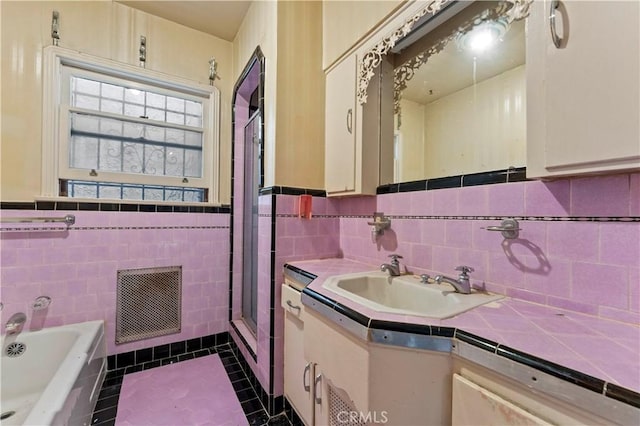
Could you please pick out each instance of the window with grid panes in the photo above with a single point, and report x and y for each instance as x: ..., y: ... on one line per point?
x: 127, y: 134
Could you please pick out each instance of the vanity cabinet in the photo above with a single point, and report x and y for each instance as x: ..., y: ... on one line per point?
x: 583, y: 98
x: 357, y: 381
x: 484, y: 396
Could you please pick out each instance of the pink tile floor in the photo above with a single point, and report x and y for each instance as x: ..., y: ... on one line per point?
x: 193, y: 392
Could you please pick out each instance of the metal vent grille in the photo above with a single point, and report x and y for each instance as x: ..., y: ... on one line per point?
x: 341, y: 410
x: 148, y: 303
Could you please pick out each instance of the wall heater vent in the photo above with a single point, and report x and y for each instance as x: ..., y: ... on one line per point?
x: 149, y: 303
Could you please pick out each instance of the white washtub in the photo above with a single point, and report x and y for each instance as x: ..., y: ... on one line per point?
x: 57, y: 379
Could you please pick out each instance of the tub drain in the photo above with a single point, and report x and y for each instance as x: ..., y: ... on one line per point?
x: 15, y: 349
x: 6, y: 415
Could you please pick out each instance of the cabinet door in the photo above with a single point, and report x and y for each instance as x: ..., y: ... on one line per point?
x: 583, y: 98
x: 475, y: 405
x: 340, y: 127
x: 298, y: 372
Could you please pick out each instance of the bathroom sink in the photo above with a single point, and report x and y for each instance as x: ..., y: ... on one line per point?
x: 405, y: 294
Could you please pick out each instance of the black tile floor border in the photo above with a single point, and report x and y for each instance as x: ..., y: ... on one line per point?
x: 245, y: 388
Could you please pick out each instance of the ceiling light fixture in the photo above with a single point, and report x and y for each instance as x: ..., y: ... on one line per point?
x: 483, y: 36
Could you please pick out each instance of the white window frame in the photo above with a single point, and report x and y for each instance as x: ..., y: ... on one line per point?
x: 60, y: 64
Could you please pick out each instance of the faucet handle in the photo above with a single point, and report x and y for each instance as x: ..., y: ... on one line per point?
x: 464, y: 270
x: 394, y: 259
x: 424, y: 278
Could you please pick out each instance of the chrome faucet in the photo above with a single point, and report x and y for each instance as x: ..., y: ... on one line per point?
x: 15, y: 323
x: 462, y: 284
x: 394, y: 267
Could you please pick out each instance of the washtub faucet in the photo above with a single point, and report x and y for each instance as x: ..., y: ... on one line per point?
x: 394, y: 267
x: 462, y: 284
x: 15, y: 323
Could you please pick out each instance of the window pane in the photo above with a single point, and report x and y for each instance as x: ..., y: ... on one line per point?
x: 193, y: 163
x: 112, y: 92
x: 193, y: 196
x: 134, y: 96
x: 194, y: 121
x: 175, y: 104
x: 193, y: 139
x: 87, y: 102
x: 175, y: 165
x: 132, y: 159
x: 153, y: 194
x: 83, y: 190
x: 153, y: 160
x: 194, y: 108
x: 155, y: 100
x: 82, y: 85
x: 114, y: 107
x: 83, y: 153
x: 133, y: 110
x: 176, y: 136
x: 111, y: 155
x: 173, y: 195
x: 155, y: 114
x: 175, y: 118
x: 132, y: 193
x: 110, y: 127
x: 87, y: 123
x: 110, y: 191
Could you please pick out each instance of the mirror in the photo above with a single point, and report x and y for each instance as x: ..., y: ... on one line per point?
x: 458, y: 103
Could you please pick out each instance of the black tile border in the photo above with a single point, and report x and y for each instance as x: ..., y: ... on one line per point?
x: 351, y: 314
x: 515, y: 174
x: 567, y: 374
x: 420, y: 329
x: 320, y: 298
x: 622, y: 394
x: 477, y: 341
x: 288, y: 190
x: 292, y: 414
x: 244, y: 342
x: 564, y: 373
x: 271, y: 405
x: 302, y: 272
x: 112, y: 207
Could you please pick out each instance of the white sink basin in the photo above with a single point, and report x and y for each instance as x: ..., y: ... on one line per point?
x: 405, y: 294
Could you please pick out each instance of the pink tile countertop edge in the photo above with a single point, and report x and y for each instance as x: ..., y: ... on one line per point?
x: 607, y: 350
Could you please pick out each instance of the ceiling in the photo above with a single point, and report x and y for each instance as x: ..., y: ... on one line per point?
x: 220, y: 18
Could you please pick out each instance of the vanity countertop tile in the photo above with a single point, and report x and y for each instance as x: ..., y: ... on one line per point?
x: 601, y: 348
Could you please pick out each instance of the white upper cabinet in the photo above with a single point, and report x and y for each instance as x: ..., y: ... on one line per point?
x: 351, y: 149
x: 583, y: 97
x: 340, y: 135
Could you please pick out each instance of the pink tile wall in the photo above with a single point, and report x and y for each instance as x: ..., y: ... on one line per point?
x: 300, y: 239
x: 78, y: 268
x: 586, y: 266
